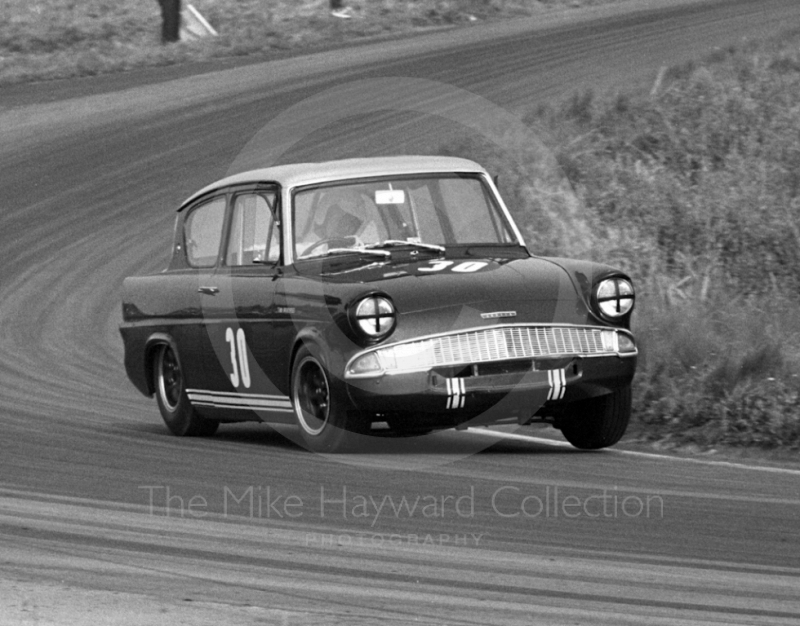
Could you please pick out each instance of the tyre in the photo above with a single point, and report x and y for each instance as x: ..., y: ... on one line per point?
x: 321, y: 407
x: 178, y: 413
x: 598, y: 422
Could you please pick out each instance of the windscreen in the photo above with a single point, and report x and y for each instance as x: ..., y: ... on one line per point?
x: 440, y: 210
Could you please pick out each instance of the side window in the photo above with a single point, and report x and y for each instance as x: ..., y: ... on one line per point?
x: 254, y: 235
x: 203, y: 233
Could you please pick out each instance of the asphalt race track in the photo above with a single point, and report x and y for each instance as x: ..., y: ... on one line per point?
x: 104, y: 516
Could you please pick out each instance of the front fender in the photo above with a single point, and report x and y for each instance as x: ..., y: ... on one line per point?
x: 585, y: 275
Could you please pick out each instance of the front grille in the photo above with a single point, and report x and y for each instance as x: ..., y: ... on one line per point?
x: 498, y: 344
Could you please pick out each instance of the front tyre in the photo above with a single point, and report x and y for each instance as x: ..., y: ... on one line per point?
x: 598, y: 422
x: 321, y: 408
x: 178, y: 413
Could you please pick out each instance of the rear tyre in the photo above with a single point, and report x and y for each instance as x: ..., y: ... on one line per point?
x: 321, y: 407
x: 178, y: 413
x: 598, y: 422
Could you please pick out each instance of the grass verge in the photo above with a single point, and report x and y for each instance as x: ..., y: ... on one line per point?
x: 694, y: 189
x: 47, y: 39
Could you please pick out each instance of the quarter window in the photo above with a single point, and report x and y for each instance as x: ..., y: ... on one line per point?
x: 203, y: 233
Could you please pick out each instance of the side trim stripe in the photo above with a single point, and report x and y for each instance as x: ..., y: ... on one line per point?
x: 223, y: 399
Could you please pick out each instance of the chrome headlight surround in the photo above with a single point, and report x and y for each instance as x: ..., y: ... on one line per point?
x: 614, y: 298
x: 374, y: 316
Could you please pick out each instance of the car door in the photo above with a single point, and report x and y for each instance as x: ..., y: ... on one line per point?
x: 188, y: 288
x: 241, y: 320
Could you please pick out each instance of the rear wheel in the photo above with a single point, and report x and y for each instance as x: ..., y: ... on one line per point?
x: 321, y: 408
x: 598, y: 422
x: 178, y: 413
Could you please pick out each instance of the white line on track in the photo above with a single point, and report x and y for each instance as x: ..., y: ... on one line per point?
x: 651, y: 455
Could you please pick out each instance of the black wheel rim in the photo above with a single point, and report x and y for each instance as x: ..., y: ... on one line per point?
x: 312, y: 396
x: 170, y: 380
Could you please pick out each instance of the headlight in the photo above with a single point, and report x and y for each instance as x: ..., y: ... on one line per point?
x: 375, y: 316
x: 614, y: 297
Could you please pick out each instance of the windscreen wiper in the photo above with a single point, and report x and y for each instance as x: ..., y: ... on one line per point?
x: 390, y: 243
x: 359, y: 250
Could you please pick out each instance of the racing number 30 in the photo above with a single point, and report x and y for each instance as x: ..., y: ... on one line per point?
x: 465, y: 267
x: 238, y: 355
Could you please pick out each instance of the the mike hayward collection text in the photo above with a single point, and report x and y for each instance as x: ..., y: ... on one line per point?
x: 344, y: 503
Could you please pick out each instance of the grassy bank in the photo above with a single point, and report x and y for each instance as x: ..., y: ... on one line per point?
x: 693, y: 188
x: 45, y: 39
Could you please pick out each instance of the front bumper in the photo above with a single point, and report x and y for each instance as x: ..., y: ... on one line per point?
x: 486, y: 394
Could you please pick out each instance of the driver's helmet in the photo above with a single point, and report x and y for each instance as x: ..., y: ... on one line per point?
x: 338, y: 215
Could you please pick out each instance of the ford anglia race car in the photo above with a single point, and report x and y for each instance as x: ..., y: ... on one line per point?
x: 365, y: 297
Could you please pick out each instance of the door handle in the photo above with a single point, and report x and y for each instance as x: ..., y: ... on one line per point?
x: 209, y: 291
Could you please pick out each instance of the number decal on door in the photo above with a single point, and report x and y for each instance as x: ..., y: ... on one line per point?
x: 239, y: 363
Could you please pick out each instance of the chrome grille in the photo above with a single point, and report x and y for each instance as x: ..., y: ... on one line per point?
x: 498, y: 344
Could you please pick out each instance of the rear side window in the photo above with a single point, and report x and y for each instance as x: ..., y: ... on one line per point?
x: 203, y: 233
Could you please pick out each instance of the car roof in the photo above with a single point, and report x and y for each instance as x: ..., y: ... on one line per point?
x: 296, y: 174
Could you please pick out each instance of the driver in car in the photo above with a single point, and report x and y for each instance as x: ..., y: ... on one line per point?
x: 336, y: 225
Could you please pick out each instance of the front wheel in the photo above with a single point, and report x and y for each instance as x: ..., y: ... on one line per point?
x: 320, y: 407
x: 598, y: 422
x: 178, y: 413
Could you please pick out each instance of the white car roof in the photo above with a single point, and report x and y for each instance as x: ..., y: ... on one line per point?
x: 298, y: 174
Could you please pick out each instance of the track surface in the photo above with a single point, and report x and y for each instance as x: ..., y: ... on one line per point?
x: 103, y: 516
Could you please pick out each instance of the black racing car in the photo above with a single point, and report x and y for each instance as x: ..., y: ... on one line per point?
x: 375, y: 296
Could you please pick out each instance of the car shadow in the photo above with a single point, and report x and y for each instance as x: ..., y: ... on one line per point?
x: 445, y: 443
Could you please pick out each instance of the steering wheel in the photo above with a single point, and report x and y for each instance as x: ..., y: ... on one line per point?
x: 347, y: 241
